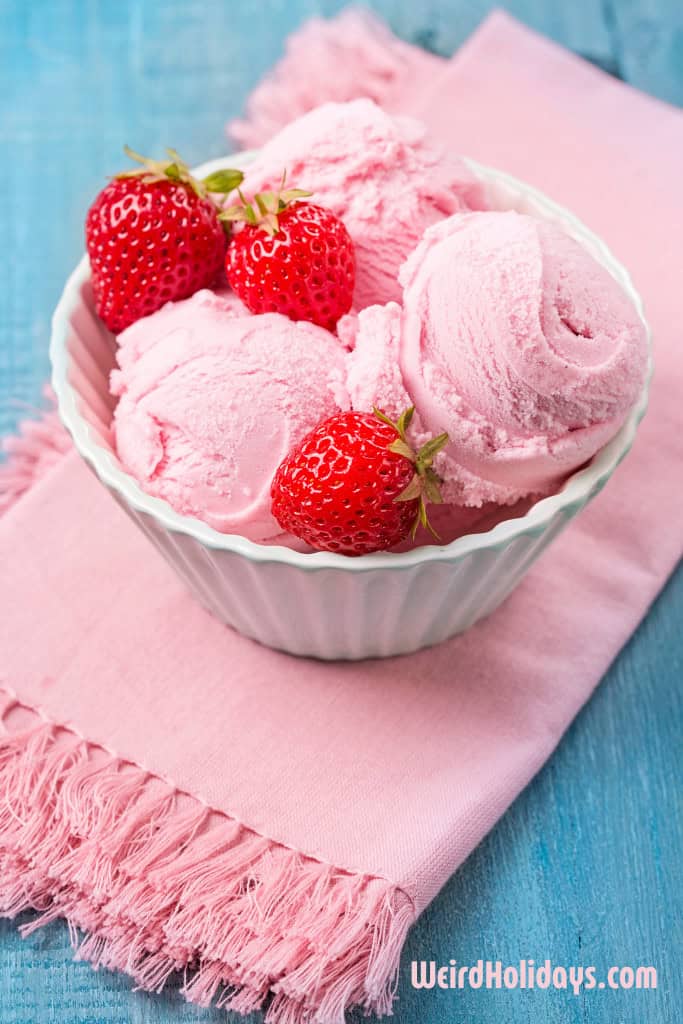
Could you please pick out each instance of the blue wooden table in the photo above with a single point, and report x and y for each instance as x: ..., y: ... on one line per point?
x: 586, y: 867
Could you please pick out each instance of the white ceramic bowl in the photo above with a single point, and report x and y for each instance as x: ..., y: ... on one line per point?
x: 326, y: 605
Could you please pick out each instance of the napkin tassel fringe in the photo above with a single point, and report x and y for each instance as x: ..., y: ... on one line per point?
x: 153, y: 882
x: 38, y: 446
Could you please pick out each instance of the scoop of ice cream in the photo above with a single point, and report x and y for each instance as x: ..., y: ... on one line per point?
x: 374, y: 374
x: 515, y: 341
x: 378, y: 174
x: 210, y: 402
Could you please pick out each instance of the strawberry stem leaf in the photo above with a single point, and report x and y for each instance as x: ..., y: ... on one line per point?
x: 412, y: 491
x: 223, y: 181
x: 176, y: 170
x: 431, y: 488
x: 404, y: 421
x: 134, y: 156
x: 400, y: 447
x: 429, y: 450
x: 265, y: 207
x: 291, y: 195
x: 425, y: 483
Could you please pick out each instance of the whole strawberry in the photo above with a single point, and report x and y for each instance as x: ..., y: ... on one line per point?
x: 291, y: 257
x: 355, y: 485
x: 153, y: 236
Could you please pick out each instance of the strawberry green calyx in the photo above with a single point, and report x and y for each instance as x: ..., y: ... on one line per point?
x: 218, y: 184
x: 266, y: 207
x: 425, y: 484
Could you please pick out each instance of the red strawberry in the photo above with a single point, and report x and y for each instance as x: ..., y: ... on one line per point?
x: 291, y: 257
x: 153, y: 235
x: 355, y: 485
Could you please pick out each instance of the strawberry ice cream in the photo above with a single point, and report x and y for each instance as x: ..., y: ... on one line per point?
x: 210, y: 402
x: 378, y: 174
x: 515, y: 341
x: 502, y: 331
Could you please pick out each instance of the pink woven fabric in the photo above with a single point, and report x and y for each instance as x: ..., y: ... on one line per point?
x: 191, y: 800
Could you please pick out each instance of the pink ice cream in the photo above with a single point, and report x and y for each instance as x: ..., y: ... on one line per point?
x: 515, y: 341
x: 377, y: 173
x: 210, y: 402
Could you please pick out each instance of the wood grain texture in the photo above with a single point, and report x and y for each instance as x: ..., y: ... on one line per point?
x: 648, y: 39
x: 586, y: 866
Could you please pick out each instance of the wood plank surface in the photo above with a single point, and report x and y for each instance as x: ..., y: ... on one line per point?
x: 586, y: 866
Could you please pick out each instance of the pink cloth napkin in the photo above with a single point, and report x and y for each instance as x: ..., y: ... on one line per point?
x: 190, y: 800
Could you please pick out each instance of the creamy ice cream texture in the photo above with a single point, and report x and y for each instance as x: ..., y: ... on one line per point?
x: 507, y: 334
x: 210, y: 402
x: 379, y: 174
x: 515, y: 341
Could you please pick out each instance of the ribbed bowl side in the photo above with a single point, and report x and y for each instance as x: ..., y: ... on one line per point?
x: 333, y: 615
x: 91, y: 350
